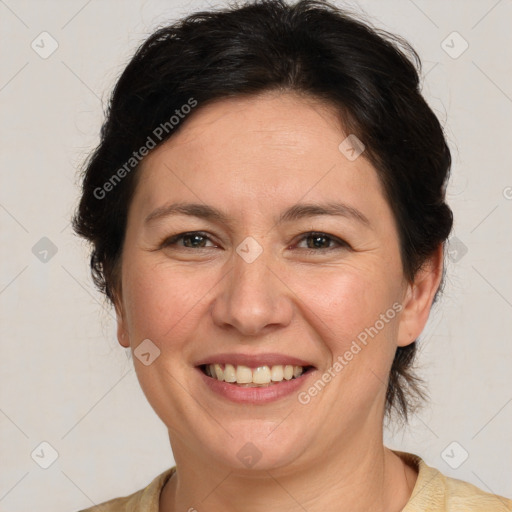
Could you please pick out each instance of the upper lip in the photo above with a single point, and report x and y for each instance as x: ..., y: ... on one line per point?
x: 254, y: 360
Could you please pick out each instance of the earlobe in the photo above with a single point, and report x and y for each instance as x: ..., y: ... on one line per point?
x: 419, y: 297
x: 122, y: 338
x: 122, y: 335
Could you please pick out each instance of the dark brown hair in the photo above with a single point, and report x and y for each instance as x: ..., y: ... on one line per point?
x: 370, y: 77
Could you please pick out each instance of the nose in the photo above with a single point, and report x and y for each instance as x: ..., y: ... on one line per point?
x: 253, y: 298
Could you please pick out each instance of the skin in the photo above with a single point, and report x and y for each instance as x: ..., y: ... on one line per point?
x: 252, y: 158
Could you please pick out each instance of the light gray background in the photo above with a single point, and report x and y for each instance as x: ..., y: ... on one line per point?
x: 65, y: 378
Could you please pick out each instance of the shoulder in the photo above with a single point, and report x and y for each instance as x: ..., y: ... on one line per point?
x: 144, y: 500
x: 435, y: 492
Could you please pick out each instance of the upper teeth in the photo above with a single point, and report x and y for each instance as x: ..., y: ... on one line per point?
x: 260, y: 375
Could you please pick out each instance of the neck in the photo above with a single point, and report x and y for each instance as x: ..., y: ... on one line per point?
x: 356, y: 477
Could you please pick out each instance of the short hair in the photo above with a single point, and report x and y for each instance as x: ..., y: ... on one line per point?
x: 368, y: 76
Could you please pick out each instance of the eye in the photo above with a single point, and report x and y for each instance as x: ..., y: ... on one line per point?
x: 317, y: 241
x: 191, y: 239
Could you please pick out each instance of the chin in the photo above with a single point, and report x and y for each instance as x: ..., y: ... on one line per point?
x: 258, y: 445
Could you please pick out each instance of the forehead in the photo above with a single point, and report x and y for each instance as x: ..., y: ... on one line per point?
x: 276, y: 120
x: 258, y: 151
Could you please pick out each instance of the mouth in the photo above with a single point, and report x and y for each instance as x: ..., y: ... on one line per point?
x: 257, y: 377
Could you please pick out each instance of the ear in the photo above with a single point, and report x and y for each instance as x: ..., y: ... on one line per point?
x: 419, y: 297
x: 122, y: 331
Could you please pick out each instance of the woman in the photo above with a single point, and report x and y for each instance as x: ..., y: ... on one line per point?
x: 267, y: 214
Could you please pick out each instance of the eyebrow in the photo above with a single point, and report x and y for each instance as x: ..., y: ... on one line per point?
x: 295, y: 212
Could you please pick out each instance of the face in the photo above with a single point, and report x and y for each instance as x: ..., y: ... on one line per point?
x: 262, y: 282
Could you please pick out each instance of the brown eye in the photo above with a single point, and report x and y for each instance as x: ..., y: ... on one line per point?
x: 191, y: 240
x: 317, y: 242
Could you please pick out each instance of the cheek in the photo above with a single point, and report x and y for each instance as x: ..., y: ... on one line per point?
x: 346, y: 301
x: 160, y: 302
x: 355, y: 315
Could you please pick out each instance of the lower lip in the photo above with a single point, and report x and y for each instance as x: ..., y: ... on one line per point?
x: 255, y: 395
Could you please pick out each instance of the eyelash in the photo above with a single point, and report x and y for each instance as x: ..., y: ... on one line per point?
x: 342, y: 244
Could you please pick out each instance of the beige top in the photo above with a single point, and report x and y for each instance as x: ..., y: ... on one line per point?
x: 433, y: 492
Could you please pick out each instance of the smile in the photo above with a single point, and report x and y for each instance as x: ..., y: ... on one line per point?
x: 245, y: 376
